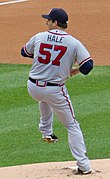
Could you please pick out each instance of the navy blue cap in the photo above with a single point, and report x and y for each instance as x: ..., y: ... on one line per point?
x: 57, y: 14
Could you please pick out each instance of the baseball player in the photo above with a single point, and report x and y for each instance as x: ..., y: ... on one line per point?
x: 54, y: 53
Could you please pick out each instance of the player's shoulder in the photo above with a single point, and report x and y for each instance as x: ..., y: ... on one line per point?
x: 73, y: 38
x: 76, y: 40
x: 38, y: 36
x: 41, y: 33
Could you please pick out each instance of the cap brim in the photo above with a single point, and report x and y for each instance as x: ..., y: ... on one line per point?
x: 46, y: 17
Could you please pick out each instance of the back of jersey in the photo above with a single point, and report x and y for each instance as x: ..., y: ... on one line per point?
x: 54, y: 55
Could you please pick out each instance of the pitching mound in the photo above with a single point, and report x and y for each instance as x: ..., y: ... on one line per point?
x: 55, y: 170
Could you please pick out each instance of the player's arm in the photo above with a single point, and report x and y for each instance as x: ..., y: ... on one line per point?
x: 74, y: 71
x: 86, y: 66
x: 83, y: 58
x: 24, y: 53
x: 83, y: 68
x: 28, y: 49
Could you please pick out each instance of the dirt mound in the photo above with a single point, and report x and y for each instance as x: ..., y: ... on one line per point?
x: 55, y: 170
x: 88, y: 21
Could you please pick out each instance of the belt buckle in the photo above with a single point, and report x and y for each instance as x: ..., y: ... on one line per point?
x: 41, y: 83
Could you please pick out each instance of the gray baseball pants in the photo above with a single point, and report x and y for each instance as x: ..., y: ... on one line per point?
x: 56, y: 99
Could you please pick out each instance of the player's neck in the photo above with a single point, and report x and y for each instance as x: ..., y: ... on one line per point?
x: 59, y: 28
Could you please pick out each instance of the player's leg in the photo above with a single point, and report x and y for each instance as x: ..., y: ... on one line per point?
x: 65, y: 113
x: 46, y: 123
x: 46, y: 119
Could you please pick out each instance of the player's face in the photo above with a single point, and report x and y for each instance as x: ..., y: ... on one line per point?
x: 50, y: 24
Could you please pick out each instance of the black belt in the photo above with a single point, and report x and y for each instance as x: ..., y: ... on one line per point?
x: 47, y: 83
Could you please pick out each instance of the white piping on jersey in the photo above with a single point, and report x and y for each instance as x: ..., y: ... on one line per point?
x: 85, y: 60
x: 26, y: 51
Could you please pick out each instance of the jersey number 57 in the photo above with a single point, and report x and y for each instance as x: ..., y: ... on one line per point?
x: 44, y: 50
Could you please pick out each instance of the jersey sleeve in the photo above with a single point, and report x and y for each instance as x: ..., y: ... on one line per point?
x: 82, y: 54
x: 29, y: 47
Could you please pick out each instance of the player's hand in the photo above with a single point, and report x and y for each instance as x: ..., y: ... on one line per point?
x: 74, y: 71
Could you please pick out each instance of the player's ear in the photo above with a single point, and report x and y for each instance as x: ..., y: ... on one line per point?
x: 56, y: 23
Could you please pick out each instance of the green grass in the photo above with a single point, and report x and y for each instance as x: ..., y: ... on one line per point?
x: 20, y: 140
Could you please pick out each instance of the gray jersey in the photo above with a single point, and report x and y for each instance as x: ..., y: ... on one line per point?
x: 55, y: 52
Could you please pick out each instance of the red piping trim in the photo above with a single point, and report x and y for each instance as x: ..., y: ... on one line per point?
x: 57, y: 33
x: 68, y: 103
x: 37, y: 83
x: 85, y: 60
x: 26, y: 51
